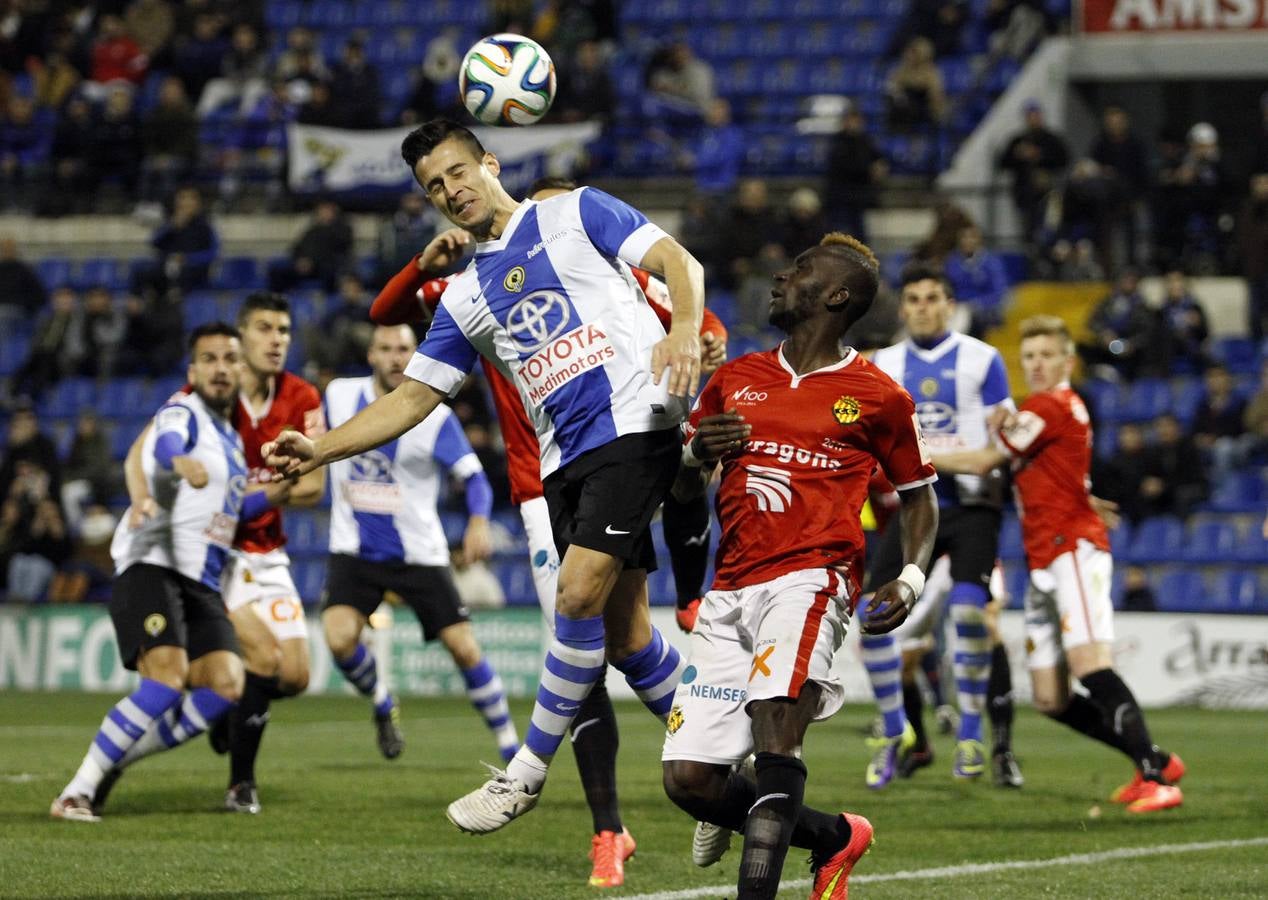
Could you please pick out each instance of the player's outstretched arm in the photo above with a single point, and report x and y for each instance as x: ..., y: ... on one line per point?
x: 969, y: 462
x: 680, y: 350
x: 294, y: 455
x: 918, y: 520
x: 142, y: 505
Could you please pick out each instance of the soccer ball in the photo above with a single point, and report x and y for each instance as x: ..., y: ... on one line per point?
x: 507, y: 79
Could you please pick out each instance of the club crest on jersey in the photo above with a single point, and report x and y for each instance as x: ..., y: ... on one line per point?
x: 514, y: 280
x: 928, y: 387
x: 675, y: 720
x: 537, y: 320
x: 154, y: 624
x: 846, y: 410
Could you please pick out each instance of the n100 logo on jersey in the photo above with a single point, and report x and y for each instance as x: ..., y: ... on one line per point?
x: 749, y: 396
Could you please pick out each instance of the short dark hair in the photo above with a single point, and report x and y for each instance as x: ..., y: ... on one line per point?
x: 263, y: 300
x: 426, y: 137
x: 919, y: 270
x: 551, y: 183
x: 211, y: 329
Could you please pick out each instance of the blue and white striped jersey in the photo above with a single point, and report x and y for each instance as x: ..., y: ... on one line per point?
x: 553, y: 304
x: 193, y: 530
x: 956, y: 385
x: 383, y: 502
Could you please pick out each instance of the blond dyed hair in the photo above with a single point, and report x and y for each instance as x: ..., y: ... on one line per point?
x: 1048, y: 326
x: 849, y: 242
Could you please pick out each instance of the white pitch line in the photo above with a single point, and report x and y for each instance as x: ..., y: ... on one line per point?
x: 1076, y: 859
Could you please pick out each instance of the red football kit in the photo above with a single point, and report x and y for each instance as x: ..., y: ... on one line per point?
x: 395, y: 306
x: 791, y: 499
x: 1050, y: 440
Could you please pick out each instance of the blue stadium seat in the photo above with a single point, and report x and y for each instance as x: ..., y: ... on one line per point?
x: 1120, y: 538
x: 1240, y: 355
x: 135, y: 395
x: 123, y: 432
x: 54, y: 273
x: 1252, y: 548
x: 1179, y: 590
x: 1105, y: 398
x: 1186, y: 396
x: 1148, y: 398
x: 516, y: 577
x: 1010, y: 545
x: 236, y: 273
x: 1210, y: 541
x: 13, y: 352
x: 100, y: 272
x: 283, y: 14
x: 201, y: 307
x: 1158, y: 539
x: 1241, y: 491
x: 68, y: 397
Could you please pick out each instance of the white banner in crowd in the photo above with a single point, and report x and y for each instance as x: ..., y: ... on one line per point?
x: 1200, y: 660
x: 335, y: 160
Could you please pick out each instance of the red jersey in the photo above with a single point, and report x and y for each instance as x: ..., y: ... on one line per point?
x: 790, y: 500
x: 296, y: 404
x: 393, y: 306
x: 1050, y: 440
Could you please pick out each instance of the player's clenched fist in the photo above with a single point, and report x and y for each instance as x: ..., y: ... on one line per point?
x: 888, y: 608
x: 291, y: 454
x: 444, y: 250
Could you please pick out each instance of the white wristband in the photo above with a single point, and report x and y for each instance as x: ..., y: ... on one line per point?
x: 914, y: 577
x: 689, y: 457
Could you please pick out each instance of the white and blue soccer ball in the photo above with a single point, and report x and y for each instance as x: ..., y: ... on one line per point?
x: 507, y: 79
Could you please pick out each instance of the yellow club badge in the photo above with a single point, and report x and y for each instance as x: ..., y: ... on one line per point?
x: 929, y: 387
x: 154, y: 624
x: 846, y: 410
x: 514, y: 280
x: 675, y: 719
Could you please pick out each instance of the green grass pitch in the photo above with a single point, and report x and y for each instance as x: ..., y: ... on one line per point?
x: 339, y: 821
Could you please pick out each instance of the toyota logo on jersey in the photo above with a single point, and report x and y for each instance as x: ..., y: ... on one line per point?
x: 538, y: 319
x: 372, y: 466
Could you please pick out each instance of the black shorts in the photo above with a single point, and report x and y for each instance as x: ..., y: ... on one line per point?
x: 605, y: 499
x: 152, y: 606
x: 361, y: 584
x: 970, y: 534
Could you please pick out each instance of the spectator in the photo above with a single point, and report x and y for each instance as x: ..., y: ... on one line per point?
x: 28, y: 446
x: 750, y: 226
x: 914, y: 91
x: 169, y: 136
x: 1091, y: 203
x: 88, y: 575
x: 35, y: 537
x: 26, y: 138
x: 90, y: 475
x: 259, y: 142
x: 1014, y: 28
x: 411, y: 227
x: 354, y: 84
x: 948, y: 221
x: 938, y: 21
x: 1190, y: 230
x: 856, y: 167
x: 151, y: 23
x: 718, y: 153
x: 116, y: 57
x: 322, y: 253
x: 95, y: 335
x: 152, y: 337
x: 1119, y: 478
x: 185, y: 247
x: 681, y: 81
x: 1219, y: 427
x: 1175, y: 479
x: 421, y: 104
x: 1075, y: 261
x: 1138, y: 596
x: 321, y: 109
x: 340, y: 341
x: 1124, y: 333
x: 1252, y: 234
x: 585, y: 89
x: 74, y: 176
x: 22, y: 293
x: 977, y: 278
x: 116, y: 142
x: 1124, y: 160
x: 1036, y: 157
x: 301, y: 65
x: 47, y: 360
x: 196, y: 58
x: 1183, y: 327
x: 803, y: 224
x: 56, y: 77
x: 700, y: 231
x: 243, y: 77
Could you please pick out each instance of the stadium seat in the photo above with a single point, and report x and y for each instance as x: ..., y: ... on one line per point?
x: 1241, y: 491
x: 131, y: 395
x: 1186, y: 396
x: 201, y: 307
x: 1147, y: 398
x: 1210, y: 541
x: 68, y: 397
x: 1158, y: 539
x: 516, y: 577
x: 1239, y: 355
x: 236, y: 273
x: 1252, y: 547
x: 1179, y: 590
x: 54, y: 273
x: 1105, y: 398
x: 1240, y: 591
x: 1120, y: 538
x: 310, y: 578
x: 100, y: 272
x: 122, y: 433
x: 14, y: 349
x: 1010, y: 544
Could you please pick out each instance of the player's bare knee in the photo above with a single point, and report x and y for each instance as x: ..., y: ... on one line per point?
x: 342, y: 636
x: 169, y: 666
x: 292, y: 676
x: 1050, y: 704
x: 686, y: 781
x: 580, y: 598
x: 225, y: 675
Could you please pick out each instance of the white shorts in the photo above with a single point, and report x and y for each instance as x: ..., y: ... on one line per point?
x: 1068, y: 605
x: 918, y: 628
x: 543, y: 556
x: 758, y: 643
x: 264, y: 579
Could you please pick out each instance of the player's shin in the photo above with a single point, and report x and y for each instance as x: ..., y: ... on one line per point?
x: 573, y: 663
x: 653, y: 672
x: 1123, y: 714
x: 883, y: 663
x: 972, y: 655
x: 197, y: 712
x: 122, y: 727
x: 246, y: 726
x: 781, y: 785
x: 361, y: 670
x: 999, y: 693
x: 595, y: 741
x: 487, y: 695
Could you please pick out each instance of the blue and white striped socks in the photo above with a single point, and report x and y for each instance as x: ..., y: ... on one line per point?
x: 122, y: 727
x: 484, y: 689
x: 194, y: 715
x: 362, y: 672
x: 972, y: 655
x: 654, y: 673
x: 573, y: 663
x: 884, y: 665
